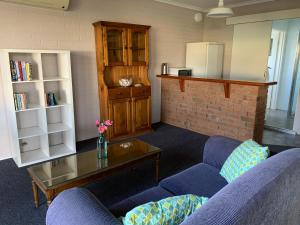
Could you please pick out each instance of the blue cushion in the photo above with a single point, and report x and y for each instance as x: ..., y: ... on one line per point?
x: 152, y: 194
x: 201, y: 179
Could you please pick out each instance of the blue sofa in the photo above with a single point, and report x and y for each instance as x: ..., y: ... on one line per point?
x: 267, y: 194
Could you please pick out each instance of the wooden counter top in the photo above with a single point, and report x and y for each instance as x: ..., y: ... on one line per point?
x: 220, y: 80
x: 225, y: 82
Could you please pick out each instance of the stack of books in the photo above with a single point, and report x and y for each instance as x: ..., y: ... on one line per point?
x: 50, y: 99
x: 20, y: 70
x: 20, y: 100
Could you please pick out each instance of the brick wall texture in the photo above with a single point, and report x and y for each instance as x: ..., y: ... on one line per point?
x: 203, y: 108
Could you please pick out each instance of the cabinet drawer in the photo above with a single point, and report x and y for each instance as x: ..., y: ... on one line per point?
x: 141, y: 91
x: 117, y: 93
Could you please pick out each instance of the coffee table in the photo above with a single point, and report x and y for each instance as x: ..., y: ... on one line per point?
x: 58, y: 175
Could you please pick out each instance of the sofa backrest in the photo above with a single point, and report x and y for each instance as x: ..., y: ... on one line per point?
x: 267, y: 194
x: 217, y: 149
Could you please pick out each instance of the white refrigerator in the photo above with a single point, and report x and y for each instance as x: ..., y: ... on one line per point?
x: 205, y: 59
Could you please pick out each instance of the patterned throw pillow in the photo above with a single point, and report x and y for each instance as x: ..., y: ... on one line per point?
x: 242, y: 159
x: 168, y: 211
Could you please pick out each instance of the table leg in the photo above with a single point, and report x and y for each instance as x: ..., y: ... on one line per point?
x: 35, y: 194
x: 49, y: 197
x: 157, y: 167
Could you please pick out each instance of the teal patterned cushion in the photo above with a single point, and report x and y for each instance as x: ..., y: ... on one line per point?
x: 168, y: 211
x: 242, y: 159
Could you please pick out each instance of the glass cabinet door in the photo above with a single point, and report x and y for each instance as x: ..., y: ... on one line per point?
x: 115, y: 48
x: 138, y: 47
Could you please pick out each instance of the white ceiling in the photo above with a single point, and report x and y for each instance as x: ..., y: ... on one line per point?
x: 204, y: 5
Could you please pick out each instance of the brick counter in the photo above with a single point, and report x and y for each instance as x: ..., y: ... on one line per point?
x: 202, y: 107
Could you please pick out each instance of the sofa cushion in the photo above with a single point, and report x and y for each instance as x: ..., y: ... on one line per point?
x: 171, y: 210
x: 242, y: 159
x: 217, y: 149
x: 152, y: 194
x: 201, y: 179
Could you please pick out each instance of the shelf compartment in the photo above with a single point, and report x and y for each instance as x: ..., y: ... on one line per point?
x: 30, y: 108
x: 55, y: 66
x: 33, y: 156
x: 26, y: 81
x: 30, y: 132
x: 59, y: 119
x: 57, y: 106
x: 61, y: 143
x: 55, y: 78
x: 34, y: 149
x: 31, y: 123
x: 33, y: 58
x: 33, y: 91
x: 60, y: 150
x: 60, y: 89
x: 57, y: 127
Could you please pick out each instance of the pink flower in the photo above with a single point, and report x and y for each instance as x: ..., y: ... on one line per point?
x: 108, y: 122
x: 102, y: 129
x: 97, y: 123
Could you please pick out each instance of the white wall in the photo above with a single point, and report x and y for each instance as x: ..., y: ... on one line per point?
x: 250, y: 50
x: 216, y: 30
x: 4, y: 138
x: 37, y: 28
x: 292, y: 34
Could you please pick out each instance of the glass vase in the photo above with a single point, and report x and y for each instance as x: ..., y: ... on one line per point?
x: 101, y: 147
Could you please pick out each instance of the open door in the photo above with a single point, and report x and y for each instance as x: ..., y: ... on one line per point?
x: 295, y: 94
x: 275, y: 65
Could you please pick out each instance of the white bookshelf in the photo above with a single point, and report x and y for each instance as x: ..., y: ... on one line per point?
x: 40, y: 132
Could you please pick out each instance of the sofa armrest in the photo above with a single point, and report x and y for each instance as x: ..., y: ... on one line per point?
x: 217, y: 149
x: 78, y: 206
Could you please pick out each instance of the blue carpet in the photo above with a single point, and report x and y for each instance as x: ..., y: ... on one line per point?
x: 181, y: 149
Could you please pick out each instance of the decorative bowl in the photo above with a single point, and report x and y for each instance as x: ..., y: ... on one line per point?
x: 138, y: 85
x: 125, y: 82
x: 126, y: 145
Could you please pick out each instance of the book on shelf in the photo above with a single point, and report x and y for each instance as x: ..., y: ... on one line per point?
x: 20, y: 70
x: 23, y: 70
x: 21, y: 101
x: 50, y: 99
x: 13, y: 69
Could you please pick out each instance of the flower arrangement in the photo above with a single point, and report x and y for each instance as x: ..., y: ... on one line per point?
x: 102, y: 126
x: 101, y: 142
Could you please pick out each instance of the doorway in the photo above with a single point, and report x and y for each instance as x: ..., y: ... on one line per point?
x: 283, y: 67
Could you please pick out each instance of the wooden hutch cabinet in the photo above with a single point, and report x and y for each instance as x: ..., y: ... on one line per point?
x: 123, y: 52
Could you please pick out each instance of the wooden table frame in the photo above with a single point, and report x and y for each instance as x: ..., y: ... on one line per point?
x: 50, y: 193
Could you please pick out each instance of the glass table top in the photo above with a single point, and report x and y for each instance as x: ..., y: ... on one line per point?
x: 83, y: 164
